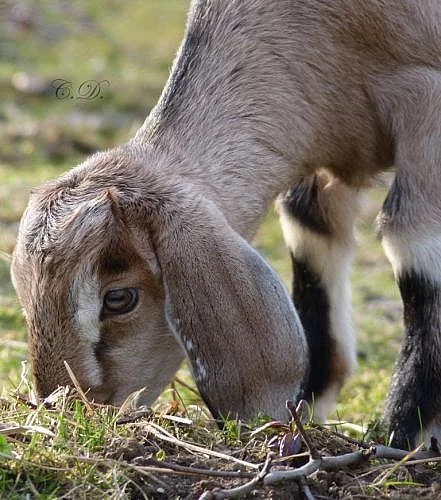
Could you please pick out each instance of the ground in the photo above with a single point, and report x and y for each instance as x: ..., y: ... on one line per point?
x: 73, y: 449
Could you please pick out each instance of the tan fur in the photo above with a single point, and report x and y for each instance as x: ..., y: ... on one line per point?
x: 261, y: 94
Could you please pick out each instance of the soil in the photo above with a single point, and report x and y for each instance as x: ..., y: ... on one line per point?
x: 353, y: 482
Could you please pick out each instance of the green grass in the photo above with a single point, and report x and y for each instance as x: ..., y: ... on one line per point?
x: 49, y: 451
x: 131, y: 46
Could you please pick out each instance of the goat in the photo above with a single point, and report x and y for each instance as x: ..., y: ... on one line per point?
x: 140, y: 256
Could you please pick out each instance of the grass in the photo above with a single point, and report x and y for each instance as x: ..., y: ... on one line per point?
x: 48, y: 453
x: 72, y: 449
x: 132, y: 47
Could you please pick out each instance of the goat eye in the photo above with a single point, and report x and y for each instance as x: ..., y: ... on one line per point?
x: 120, y: 301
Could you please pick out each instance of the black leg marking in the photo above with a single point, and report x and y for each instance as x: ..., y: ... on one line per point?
x: 394, y: 206
x: 415, y: 392
x: 311, y: 301
x: 302, y: 204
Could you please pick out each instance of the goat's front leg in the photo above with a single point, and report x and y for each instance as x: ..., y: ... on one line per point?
x: 317, y: 218
x: 410, y: 226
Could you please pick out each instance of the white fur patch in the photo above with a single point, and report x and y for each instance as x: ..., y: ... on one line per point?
x: 88, y: 324
x: 326, y: 403
x: 413, y: 252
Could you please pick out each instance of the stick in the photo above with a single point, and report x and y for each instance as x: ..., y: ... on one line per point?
x: 293, y: 474
x: 78, y: 388
x: 167, y: 467
x: 361, y: 444
x: 388, y: 473
x: 188, y: 387
x: 306, y: 489
x: 244, y: 489
x: 171, y: 439
x: 312, y: 450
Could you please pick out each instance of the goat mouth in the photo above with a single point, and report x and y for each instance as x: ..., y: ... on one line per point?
x: 101, y: 396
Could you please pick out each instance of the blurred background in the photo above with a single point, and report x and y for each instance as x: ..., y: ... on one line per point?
x: 77, y: 77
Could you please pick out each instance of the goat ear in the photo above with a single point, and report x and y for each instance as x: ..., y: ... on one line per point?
x: 232, y: 314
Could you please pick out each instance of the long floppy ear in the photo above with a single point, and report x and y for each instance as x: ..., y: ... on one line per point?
x: 229, y: 309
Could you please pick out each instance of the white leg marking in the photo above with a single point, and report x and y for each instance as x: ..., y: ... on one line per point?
x: 326, y: 403
x: 420, y: 253
x: 331, y: 259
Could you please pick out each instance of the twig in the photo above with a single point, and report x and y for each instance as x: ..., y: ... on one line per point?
x: 293, y: 410
x: 361, y: 444
x: 110, y: 462
x: 397, y: 454
x: 129, y: 404
x: 167, y: 467
x: 347, y: 459
x: 385, y: 475
x: 78, y: 388
x: 136, y: 485
x: 290, y: 458
x: 188, y: 387
x: 339, y: 462
x: 299, y: 474
x: 159, y: 429
x: 275, y: 424
x: 149, y: 474
x: 409, y: 463
x: 324, y: 463
x: 178, y: 420
x: 306, y: 489
x: 11, y: 430
x: 422, y: 461
x: 23, y: 398
x: 32, y: 487
x: 382, y: 451
x: 160, y: 434
x: 133, y: 417
x: 244, y: 489
x: 293, y: 474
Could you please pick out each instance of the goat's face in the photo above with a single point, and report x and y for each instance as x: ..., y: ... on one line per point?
x: 91, y: 298
x: 120, y: 272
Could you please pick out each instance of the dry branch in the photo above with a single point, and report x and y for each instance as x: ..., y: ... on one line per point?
x: 240, y: 490
x: 171, y: 468
x: 325, y: 463
x: 159, y: 433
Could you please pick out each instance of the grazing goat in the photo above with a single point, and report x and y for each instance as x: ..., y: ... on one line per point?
x: 139, y: 256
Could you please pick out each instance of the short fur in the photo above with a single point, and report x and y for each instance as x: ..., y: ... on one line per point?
x: 261, y: 95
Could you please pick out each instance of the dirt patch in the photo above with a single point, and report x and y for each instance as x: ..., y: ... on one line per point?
x: 165, y: 470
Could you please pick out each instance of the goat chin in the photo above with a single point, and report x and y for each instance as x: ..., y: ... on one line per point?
x: 140, y: 256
